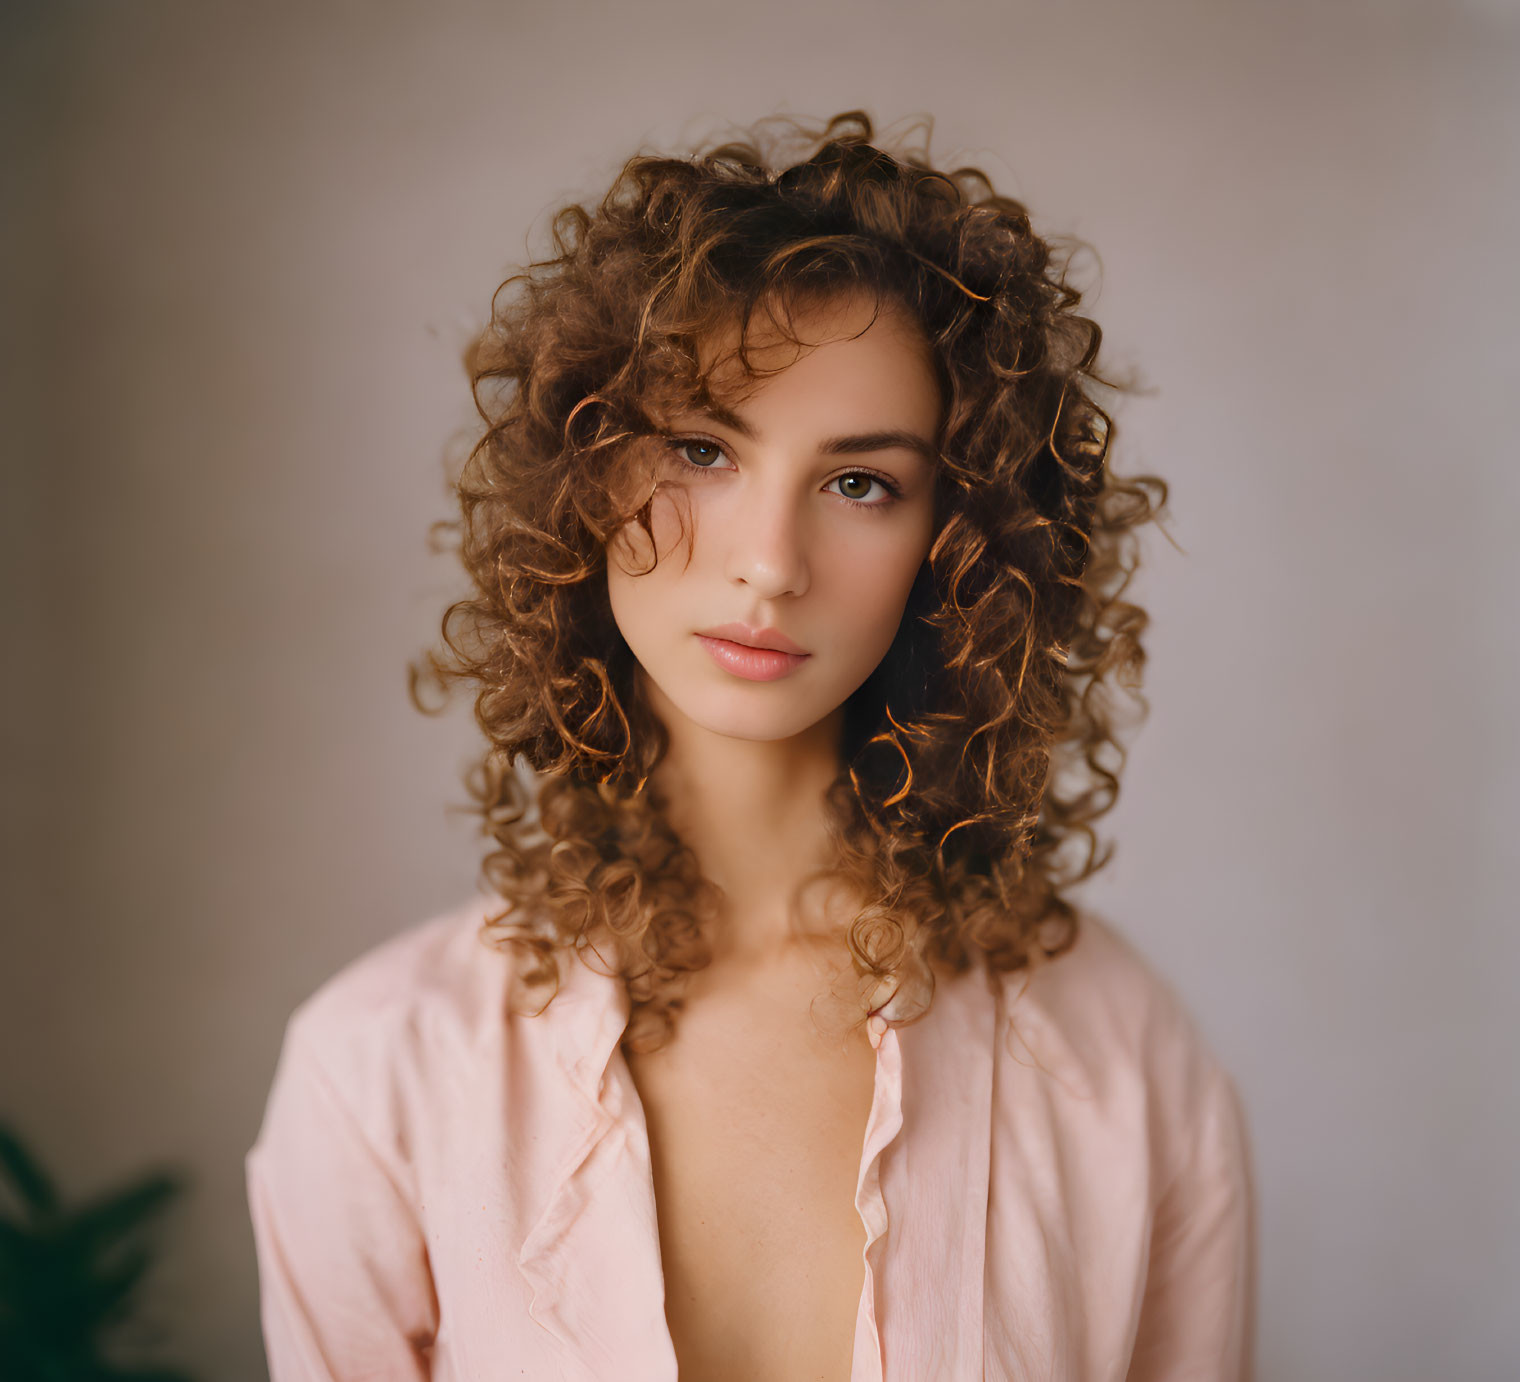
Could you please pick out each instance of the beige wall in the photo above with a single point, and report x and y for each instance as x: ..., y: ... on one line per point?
x: 244, y: 246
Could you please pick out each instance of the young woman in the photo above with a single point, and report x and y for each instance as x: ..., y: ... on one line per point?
x: 774, y: 1049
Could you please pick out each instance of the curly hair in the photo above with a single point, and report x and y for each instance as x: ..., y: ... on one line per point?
x: 978, y: 755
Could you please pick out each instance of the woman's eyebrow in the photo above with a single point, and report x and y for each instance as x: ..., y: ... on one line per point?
x: 857, y: 444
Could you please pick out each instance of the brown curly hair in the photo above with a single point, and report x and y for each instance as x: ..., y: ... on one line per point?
x: 983, y: 747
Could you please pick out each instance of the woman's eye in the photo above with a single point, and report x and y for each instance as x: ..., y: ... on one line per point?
x: 701, y: 454
x: 857, y: 485
x: 859, y: 482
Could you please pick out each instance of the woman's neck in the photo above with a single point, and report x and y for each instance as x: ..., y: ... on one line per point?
x: 754, y: 814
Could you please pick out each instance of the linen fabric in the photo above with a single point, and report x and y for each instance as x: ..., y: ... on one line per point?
x: 1055, y: 1180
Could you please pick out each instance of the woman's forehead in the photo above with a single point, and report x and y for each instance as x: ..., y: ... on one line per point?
x: 779, y: 333
x: 785, y: 320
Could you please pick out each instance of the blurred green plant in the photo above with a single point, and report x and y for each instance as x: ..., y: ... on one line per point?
x: 70, y: 1277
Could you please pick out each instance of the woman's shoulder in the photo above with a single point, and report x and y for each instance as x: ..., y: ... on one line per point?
x: 438, y: 978
x: 1104, y: 978
x: 1101, y: 1017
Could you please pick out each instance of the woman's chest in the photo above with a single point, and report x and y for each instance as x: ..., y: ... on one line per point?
x: 756, y: 1123
x: 1005, y: 1208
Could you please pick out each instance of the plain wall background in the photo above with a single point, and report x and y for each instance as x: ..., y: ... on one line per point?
x: 243, y: 249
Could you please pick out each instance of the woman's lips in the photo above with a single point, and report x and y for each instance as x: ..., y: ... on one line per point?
x: 753, y: 664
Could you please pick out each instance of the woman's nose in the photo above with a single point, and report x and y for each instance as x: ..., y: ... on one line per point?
x: 767, y: 543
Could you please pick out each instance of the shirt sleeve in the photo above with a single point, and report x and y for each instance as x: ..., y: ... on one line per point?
x: 1197, y: 1317
x: 345, y: 1287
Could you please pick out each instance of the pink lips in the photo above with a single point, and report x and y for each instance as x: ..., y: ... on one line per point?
x: 751, y: 653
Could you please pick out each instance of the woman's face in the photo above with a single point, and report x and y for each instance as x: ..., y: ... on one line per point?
x: 811, y: 509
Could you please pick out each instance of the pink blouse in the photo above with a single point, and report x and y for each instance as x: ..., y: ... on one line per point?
x: 1055, y: 1181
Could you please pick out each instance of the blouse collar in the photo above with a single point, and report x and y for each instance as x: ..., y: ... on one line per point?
x: 592, y: 1253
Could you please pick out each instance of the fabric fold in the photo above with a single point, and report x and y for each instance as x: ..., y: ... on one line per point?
x: 592, y: 1258
x: 882, y: 1127
x: 935, y: 1186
